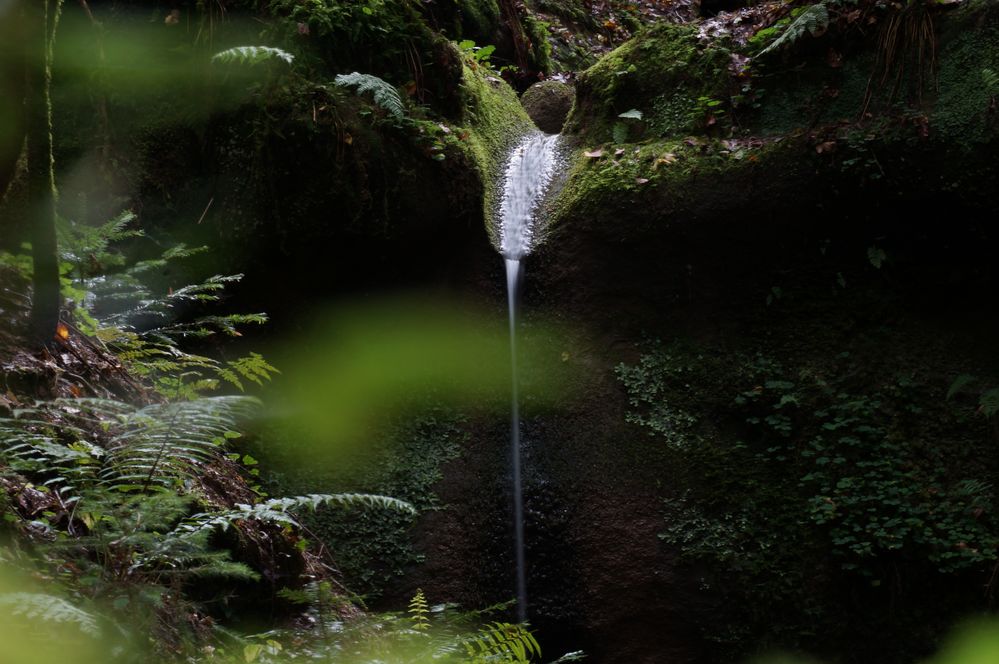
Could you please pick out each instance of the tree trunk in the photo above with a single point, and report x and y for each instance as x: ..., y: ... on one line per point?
x: 40, y: 20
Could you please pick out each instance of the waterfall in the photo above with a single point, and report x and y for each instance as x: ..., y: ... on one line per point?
x: 528, y: 173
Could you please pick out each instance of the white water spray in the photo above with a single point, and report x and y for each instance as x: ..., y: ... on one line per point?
x: 529, y: 171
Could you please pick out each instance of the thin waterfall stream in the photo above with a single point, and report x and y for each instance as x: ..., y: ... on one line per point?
x: 529, y: 171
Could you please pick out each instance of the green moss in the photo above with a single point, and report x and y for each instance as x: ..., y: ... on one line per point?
x: 548, y: 103
x: 541, y: 49
x: 666, y: 72
x: 656, y: 180
x: 962, y: 113
x: 817, y: 94
x: 495, y: 120
x: 480, y: 19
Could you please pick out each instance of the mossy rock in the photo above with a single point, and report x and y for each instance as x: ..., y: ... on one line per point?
x: 667, y: 74
x: 805, y: 142
x: 322, y: 176
x: 548, y: 103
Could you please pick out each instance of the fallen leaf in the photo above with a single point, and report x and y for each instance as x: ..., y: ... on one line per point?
x: 826, y: 147
x: 618, y: 152
x: 641, y: 180
x: 62, y: 332
x: 595, y: 154
x: 668, y: 158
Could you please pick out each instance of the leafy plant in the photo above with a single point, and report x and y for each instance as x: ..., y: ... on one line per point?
x: 478, y: 54
x: 418, y: 611
x: 252, y: 55
x: 778, y: 473
x: 384, y: 94
x: 813, y: 19
x: 49, y: 608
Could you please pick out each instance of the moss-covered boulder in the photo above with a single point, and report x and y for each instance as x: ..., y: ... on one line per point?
x: 665, y: 82
x: 819, y: 130
x: 548, y: 103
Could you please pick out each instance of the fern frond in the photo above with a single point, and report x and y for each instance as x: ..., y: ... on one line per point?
x: 418, y: 611
x: 39, y: 606
x: 163, y: 443
x: 990, y: 81
x: 386, y: 96
x: 279, y: 510
x: 252, y: 55
x: 989, y: 402
x: 501, y: 642
x: 813, y: 20
x: 253, y: 368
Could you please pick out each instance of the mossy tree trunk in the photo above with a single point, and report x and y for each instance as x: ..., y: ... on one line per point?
x: 40, y: 20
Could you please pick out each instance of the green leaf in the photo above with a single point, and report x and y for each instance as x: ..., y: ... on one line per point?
x: 252, y: 55
x: 959, y: 384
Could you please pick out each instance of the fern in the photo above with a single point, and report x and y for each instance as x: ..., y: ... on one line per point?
x: 39, y: 606
x: 162, y: 444
x: 253, y: 368
x: 385, y: 96
x: 811, y: 20
x: 418, y: 611
x: 252, y: 55
x: 501, y: 642
x: 989, y: 402
x: 990, y: 81
x: 279, y: 510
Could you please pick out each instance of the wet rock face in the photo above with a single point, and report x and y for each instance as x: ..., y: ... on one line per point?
x: 548, y: 103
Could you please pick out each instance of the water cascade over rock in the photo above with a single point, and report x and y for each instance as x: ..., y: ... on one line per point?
x: 531, y: 166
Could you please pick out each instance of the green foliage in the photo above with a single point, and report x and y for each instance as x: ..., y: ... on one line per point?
x: 158, y: 446
x: 988, y: 397
x: 163, y: 444
x: 385, y: 95
x: 811, y: 19
x: 786, y: 479
x: 374, y: 546
x: 418, y: 611
x: 49, y: 608
x: 501, y: 642
x: 423, y: 634
x: 252, y: 55
x: 281, y: 510
x: 990, y: 79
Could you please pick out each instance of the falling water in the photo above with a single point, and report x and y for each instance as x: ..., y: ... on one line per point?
x: 528, y: 174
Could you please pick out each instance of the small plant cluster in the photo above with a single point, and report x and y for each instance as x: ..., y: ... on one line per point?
x: 787, y: 480
x: 124, y: 304
x: 421, y: 634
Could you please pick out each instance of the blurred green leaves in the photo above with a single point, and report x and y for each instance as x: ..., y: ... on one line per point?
x: 363, y: 365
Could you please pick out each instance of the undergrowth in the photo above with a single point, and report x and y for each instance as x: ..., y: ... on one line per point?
x: 817, y: 481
